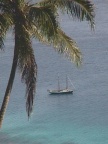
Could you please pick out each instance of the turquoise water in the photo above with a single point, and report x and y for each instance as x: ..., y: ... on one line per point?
x: 81, y: 118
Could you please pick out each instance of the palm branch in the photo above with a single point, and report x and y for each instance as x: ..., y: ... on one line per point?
x: 26, y: 64
x: 79, y: 9
x: 40, y: 20
x: 5, y: 23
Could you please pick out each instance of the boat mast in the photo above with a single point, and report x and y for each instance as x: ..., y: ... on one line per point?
x: 66, y: 82
x: 58, y: 83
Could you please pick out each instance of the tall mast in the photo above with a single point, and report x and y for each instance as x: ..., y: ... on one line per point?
x: 58, y: 83
x: 66, y: 82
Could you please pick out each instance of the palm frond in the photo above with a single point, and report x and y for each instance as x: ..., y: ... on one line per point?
x: 5, y: 22
x: 26, y: 63
x: 80, y: 9
x: 29, y: 73
x: 19, y: 3
x: 35, y: 33
x: 65, y: 45
x: 4, y: 2
x: 6, y: 5
x: 3, y: 7
x: 44, y: 19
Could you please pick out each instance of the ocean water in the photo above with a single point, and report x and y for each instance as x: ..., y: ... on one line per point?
x: 81, y: 118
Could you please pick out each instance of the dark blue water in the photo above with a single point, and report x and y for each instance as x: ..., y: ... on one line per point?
x: 81, y: 118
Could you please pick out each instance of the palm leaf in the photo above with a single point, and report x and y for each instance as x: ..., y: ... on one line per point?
x: 44, y: 20
x: 80, y: 9
x: 35, y: 33
x: 5, y: 22
x: 65, y: 45
x: 6, y: 6
x: 29, y: 73
x: 26, y: 62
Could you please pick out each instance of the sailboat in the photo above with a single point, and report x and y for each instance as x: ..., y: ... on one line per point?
x: 61, y: 91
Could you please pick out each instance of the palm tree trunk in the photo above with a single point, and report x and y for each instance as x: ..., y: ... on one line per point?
x: 9, y: 86
x: 13, y: 69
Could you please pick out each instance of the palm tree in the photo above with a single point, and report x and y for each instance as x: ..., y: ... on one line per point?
x: 40, y: 21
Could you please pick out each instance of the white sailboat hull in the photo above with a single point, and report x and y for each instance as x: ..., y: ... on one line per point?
x: 61, y: 91
x: 64, y: 91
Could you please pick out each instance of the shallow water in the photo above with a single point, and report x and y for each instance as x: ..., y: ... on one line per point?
x: 81, y: 118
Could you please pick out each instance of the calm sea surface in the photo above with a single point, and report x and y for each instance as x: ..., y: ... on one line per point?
x: 81, y: 118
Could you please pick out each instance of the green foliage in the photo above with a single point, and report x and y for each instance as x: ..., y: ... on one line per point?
x: 5, y: 23
x: 40, y: 21
x: 78, y: 9
x: 65, y: 45
x: 44, y: 20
